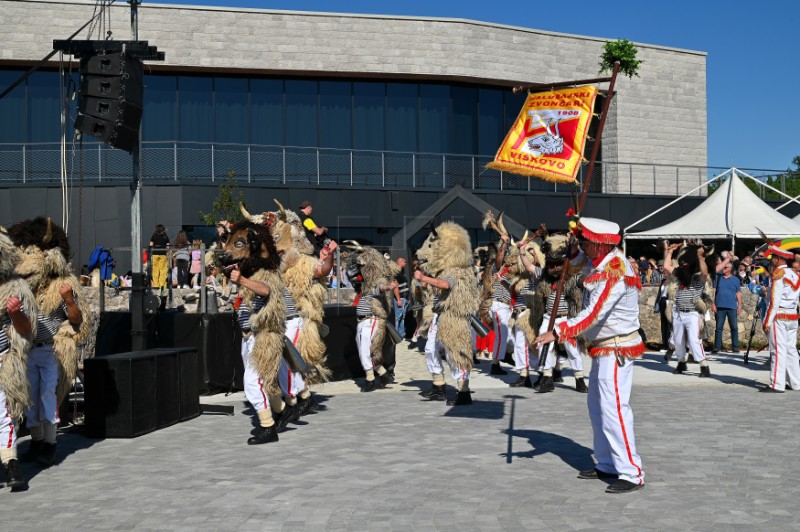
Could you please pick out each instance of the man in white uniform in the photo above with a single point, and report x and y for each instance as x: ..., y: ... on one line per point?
x: 780, y: 323
x: 610, y: 323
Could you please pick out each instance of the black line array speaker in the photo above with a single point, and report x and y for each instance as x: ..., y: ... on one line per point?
x: 130, y: 394
x: 111, y: 99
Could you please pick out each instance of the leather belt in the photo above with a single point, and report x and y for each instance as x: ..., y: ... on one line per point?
x: 362, y: 318
x: 615, y: 340
x: 292, y: 317
x: 686, y: 310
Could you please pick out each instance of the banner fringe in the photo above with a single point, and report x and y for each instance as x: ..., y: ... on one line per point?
x: 539, y: 173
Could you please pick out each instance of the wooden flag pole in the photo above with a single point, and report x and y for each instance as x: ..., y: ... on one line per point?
x: 579, y: 209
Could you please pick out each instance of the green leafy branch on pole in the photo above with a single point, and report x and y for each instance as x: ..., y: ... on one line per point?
x: 226, y: 204
x: 624, y: 51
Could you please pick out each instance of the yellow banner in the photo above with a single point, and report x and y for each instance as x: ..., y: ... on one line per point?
x: 547, y: 139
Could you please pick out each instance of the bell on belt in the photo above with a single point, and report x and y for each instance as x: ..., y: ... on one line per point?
x: 480, y: 329
x: 394, y: 336
x: 293, y: 358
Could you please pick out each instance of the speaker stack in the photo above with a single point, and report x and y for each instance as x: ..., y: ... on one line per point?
x: 111, y: 99
x: 130, y: 394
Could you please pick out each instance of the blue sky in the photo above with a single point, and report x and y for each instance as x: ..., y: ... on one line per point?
x: 753, y: 54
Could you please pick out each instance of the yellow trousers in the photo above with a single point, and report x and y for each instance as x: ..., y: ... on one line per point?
x: 159, y: 279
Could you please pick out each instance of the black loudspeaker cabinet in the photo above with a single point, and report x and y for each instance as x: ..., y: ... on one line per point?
x: 184, y: 383
x: 111, y: 99
x: 121, y: 395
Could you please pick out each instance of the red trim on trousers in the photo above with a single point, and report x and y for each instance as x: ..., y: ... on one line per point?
x: 11, y: 427
x: 775, y: 369
x: 622, y: 424
x: 263, y: 395
x: 499, y: 334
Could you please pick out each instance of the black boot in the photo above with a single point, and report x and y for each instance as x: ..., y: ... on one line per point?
x: 47, y: 454
x: 668, y: 355
x: 681, y: 368
x: 286, y: 416
x: 580, y: 386
x: 306, y: 406
x: 436, y: 393
x: 14, y: 477
x: 371, y: 386
x: 546, y: 385
x: 522, y: 382
x: 264, y: 435
x: 497, y: 370
x: 557, y: 376
x: 33, y: 451
x: 462, y: 398
x: 386, y: 379
x: 538, y: 381
x: 705, y: 371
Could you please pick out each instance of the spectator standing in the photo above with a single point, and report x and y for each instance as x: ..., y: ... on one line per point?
x: 661, y: 308
x: 658, y: 273
x: 315, y: 234
x: 727, y: 305
x: 197, y: 267
x: 743, y: 274
x: 182, y: 251
x: 401, y: 298
x: 159, y: 244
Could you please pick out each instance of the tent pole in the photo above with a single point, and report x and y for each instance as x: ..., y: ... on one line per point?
x: 674, y: 201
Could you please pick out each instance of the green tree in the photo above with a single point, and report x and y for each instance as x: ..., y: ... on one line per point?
x: 624, y: 51
x: 226, y: 204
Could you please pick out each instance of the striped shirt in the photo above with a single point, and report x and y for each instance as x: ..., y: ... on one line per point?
x: 563, y: 306
x: 47, y: 325
x: 364, y: 307
x: 686, y: 296
x: 245, y: 311
x: 402, y: 284
x: 291, y: 306
x: 500, y: 288
x: 437, y: 295
x: 529, y: 288
x: 4, y: 343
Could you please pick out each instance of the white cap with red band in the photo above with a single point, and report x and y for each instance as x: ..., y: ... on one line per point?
x: 775, y: 250
x: 600, y: 231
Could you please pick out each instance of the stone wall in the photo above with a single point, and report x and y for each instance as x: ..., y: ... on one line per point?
x: 651, y: 323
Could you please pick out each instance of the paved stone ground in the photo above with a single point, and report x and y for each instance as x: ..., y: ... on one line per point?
x: 718, y: 456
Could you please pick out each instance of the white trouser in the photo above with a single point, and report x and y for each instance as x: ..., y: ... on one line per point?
x: 43, y: 376
x: 364, y: 333
x: 432, y: 358
x: 8, y: 432
x: 521, y: 360
x: 783, y: 354
x: 612, y: 418
x: 573, y: 352
x: 253, y: 384
x: 501, y: 315
x: 687, y: 328
x: 291, y: 383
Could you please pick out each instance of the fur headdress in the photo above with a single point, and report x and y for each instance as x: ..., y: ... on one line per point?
x: 251, y: 247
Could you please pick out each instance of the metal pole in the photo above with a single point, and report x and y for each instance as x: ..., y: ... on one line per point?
x: 473, y: 173
x: 100, y: 162
x: 249, y: 173
x: 175, y: 160
x: 677, y: 180
x: 203, y: 288
x: 413, y: 170
x: 212, y: 163
x: 444, y: 183
x: 24, y: 165
x: 284, y: 165
x: 138, y: 331
x: 317, y: 166
x: 383, y: 168
x: 501, y: 180
x: 351, y: 168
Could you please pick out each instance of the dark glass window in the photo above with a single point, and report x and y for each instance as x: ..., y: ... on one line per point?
x: 195, y: 111
x: 266, y: 97
x: 335, y: 114
x: 401, y: 116
x: 12, y: 109
x: 160, y: 108
x: 301, y: 113
x: 369, y: 110
x: 513, y: 106
x: 231, y: 110
x: 491, y: 131
x: 434, y: 118
x: 44, y: 111
x: 465, y: 119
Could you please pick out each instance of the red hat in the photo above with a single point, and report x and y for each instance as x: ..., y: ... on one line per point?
x: 780, y: 252
x: 600, y: 231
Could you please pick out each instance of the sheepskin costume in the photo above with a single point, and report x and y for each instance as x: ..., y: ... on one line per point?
x: 310, y: 295
x: 375, y: 270
x: 44, y: 252
x: 13, y: 376
x: 447, y: 252
x: 251, y: 247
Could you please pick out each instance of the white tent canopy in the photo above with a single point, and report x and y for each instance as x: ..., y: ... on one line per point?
x: 733, y: 211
